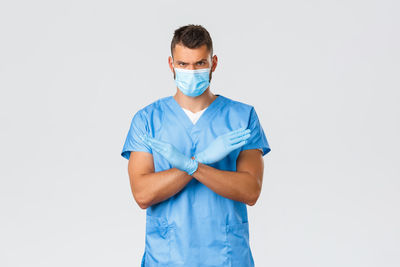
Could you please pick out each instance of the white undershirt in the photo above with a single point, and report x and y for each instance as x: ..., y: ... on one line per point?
x: 196, y: 115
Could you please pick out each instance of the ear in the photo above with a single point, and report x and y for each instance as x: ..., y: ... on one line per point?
x: 171, y: 66
x: 214, y: 62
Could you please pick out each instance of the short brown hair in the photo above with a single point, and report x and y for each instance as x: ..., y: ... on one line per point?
x: 192, y: 36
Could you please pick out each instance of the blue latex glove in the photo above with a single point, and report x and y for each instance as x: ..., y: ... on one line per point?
x: 171, y: 154
x: 223, y: 145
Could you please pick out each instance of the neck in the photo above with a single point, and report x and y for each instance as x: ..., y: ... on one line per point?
x: 195, y: 104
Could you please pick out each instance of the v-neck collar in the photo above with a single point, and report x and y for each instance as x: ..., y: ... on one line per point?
x: 194, y: 113
x: 204, y: 118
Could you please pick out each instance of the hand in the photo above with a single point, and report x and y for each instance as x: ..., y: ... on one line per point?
x: 172, y: 155
x: 223, y: 145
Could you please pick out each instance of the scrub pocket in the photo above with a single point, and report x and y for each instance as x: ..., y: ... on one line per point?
x: 158, y: 239
x: 202, y: 243
x: 238, y: 244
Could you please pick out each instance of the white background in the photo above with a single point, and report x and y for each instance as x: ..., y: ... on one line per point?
x: 322, y: 75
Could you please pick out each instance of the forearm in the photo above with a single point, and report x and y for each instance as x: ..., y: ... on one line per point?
x: 158, y: 186
x: 239, y: 186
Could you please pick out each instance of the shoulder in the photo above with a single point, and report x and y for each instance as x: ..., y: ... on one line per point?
x: 152, y: 109
x: 238, y: 106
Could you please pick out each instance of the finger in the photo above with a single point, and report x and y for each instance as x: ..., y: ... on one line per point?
x: 236, y: 131
x: 156, y: 141
x: 147, y: 142
x: 150, y: 141
x: 150, y: 144
x: 240, y: 139
x: 241, y: 130
x: 159, y: 148
x: 160, y: 145
x: 239, y: 145
x: 239, y: 134
x: 142, y: 137
x: 144, y: 140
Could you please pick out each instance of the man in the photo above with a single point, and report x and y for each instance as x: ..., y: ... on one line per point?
x: 195, y: 161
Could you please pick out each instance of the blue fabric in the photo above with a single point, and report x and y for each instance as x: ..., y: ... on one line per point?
x: 196, y: 226
x: 192, y: 82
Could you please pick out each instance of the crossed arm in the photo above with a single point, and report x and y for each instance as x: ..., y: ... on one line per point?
x: 149, y: 187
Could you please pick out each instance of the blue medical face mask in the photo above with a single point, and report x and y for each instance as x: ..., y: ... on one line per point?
x: 192, y: 82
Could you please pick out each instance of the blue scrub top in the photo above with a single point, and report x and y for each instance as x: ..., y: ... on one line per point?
x: 196, y: 226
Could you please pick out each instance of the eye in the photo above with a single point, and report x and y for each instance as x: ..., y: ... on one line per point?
x: 181, y: 64
x: 201, y: 63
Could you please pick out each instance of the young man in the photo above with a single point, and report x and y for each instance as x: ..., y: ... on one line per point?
x: 195, y: 161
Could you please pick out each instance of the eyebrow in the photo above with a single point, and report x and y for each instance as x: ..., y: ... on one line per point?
x: 204, y: 59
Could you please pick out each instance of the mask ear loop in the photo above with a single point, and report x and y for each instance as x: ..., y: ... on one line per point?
x: 173, y: 67
x: 211, y: 65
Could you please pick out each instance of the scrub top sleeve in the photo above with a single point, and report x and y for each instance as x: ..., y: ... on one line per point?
x: 133, y: 142
x: 257, y: 137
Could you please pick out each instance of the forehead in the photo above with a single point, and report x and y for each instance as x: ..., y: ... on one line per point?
x: 185, y: 54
